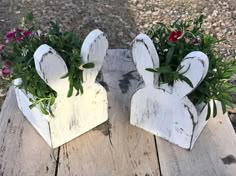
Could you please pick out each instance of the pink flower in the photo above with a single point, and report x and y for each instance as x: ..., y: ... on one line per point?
x: 18, y: 35
x: 195, y: 41
x: 11, y: 35
x: 1, y: 47
x: 7, y: 64
x: 20, y: 38
x: 19, y: 30
x: 6, y: 72
x: 27, y: 33
x: 174, y: 36
x: 7, y: 41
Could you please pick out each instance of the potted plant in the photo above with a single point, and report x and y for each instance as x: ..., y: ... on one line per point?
x: 54, y: 75
x: 184, y: 78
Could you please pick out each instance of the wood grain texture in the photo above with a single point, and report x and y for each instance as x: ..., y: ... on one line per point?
x: 163, y: 109
x: 214, y: 153
x: 114, y: 148
x: 22, y: 151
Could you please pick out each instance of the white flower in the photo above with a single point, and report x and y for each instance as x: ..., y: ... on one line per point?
x: 39, y: 32
x: 165, y: 50
x: 24, y: 52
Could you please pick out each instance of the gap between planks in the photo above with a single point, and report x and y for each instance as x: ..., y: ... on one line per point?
x: 158, y: 159
x: 57, y: 161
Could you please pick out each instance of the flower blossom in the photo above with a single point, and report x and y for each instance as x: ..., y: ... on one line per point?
x: 17, y: 34
x: 8, y: 64
x: 6, y: 71
x: 1, y: 47
x: 27, y: 33
x: 174, y: 36
x: 195, y: 41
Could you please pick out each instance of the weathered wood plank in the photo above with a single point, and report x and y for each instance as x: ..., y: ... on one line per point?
x: 22, y: 150
x: 214, y: 153
x: 116, y: 147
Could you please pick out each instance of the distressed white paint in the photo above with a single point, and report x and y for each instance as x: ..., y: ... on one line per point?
x: 162, y: 109
x: 77, y: 114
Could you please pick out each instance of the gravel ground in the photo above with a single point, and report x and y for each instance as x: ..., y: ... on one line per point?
x: 122, y: 20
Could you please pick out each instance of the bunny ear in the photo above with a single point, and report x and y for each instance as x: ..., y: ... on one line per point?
x: 194, y: 67
x: 51, y: 68
x: 145, y: 56
x: 94, y: 50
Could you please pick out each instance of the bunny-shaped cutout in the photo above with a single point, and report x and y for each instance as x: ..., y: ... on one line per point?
x: 77, y: 114
x: 162, y: 109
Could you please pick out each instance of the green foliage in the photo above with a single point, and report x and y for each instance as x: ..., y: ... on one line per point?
x: 215, y: 86
x: 20, y: 53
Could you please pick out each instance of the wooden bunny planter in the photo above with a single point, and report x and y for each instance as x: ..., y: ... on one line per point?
x: 166, y: 110
x: 77, y: 114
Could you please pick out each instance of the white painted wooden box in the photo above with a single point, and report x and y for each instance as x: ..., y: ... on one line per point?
x: 166, y: 110
x: 75, y: 115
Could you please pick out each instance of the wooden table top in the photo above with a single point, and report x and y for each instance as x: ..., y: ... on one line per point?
x: 114, y: 148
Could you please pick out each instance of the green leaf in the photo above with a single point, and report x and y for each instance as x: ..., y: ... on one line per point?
x: 50, y: 112
x: 52, y: 101
x: 184, y: 78
x: 171, y: 44
x: 164, y: 69
x: 227, y: 75
x: 169, y: 55
x: 232, y: 90
x: 80, y: 88
x: 42, y: 109
x: 208, y: 111
x: 81, y: 77
x: 175, y: 22
x: 66, y: 75
x: 31, y: 100
x: 68, y: 35
x: 32, y: 105
x: 151, y: 70
x: 29, y: 16
x: 54, y: 28
x: 226, y: 96
x: 226, y: 102
x: 223, y: 107
x: 214, y: 108
x: 88, y: 65
x: 70, y: 92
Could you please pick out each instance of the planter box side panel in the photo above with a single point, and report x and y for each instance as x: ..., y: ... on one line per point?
x: 34, y: 116
x: 153, y: 112
x: 79, y: 114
